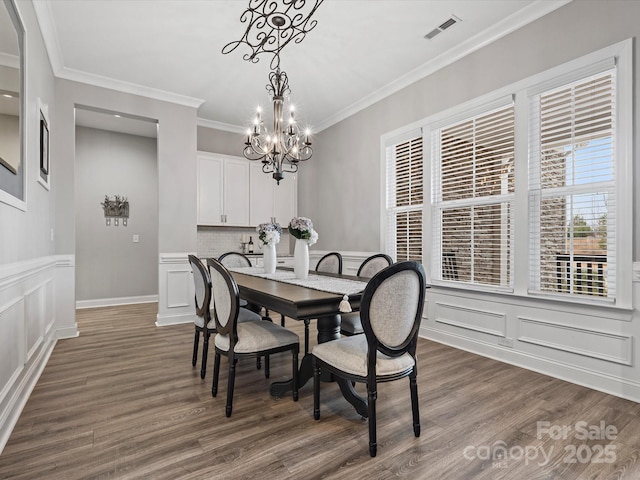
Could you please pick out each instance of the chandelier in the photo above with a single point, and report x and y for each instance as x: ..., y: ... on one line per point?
x: 271, y: 26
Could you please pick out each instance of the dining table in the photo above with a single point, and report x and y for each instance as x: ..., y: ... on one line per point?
x: 321, y: 296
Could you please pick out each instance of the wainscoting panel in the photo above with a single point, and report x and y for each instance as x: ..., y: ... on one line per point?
x: 28, y: 333
x: 590, y: 343
x: 594, y: 346
x: 35, y: 317
x: 12, y: 353
x: 483, y: 321
x: 176, y: 282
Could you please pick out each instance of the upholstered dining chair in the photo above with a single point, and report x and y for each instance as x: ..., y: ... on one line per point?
x: 390, y: 309
x: 235, y: 259
x: 204, y: 322
x: 330, y: 263
x: 237, y: 340
x: 350, y: 323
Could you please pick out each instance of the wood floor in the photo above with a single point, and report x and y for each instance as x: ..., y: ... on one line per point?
x: 122, y: 401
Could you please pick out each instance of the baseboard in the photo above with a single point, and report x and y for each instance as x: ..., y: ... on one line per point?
x: 164, y: 320
x: 9, y: 417
x: 597, y: 381
x: 110, y: 302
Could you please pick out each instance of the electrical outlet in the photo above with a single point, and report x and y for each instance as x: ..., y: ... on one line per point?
x: 506, y: 342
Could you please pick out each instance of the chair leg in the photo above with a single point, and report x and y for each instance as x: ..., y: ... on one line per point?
x: 196, y: 341
x: 258, y: 363
x: 295, y: 375
x: 282, y: 319
x: 413, y: 386
x: 306, y: 336
x: 230, y: 385
x: 316, y: 390
x: 266, y: 366
x: 216, y: 375
x: 205, y: 353
x: 372, y: 395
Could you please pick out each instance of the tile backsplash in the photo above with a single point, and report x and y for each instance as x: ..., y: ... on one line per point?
x: 214, y: 241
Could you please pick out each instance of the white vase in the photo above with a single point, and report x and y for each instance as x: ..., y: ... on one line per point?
x: 301, y: 259
x: 269, y: 258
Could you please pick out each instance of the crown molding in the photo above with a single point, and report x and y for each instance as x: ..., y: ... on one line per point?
x: 50, y: 37
x: 127, y: 87
x: 506, y: 26
x: 226, y: 127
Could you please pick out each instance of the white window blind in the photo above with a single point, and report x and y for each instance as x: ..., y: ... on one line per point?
x: 405, y: 199
x: 572, y: 191
x: 472, y: 197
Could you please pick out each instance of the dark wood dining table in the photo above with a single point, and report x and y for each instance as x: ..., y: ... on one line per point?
x: 303, y: 303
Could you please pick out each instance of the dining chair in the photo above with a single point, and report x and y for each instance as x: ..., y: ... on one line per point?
x: 204, y: 322
x: 330, y: 263
x: 390, y: 309
x: 350, y: 323
x: 238, y: 340
x: 235, y: 259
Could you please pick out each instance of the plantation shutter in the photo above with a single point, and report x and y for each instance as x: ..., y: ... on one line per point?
x: 473, y: 191
x: 572, y: 187
x: 405, y: 198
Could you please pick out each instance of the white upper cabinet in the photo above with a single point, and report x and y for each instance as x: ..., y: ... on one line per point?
x: 270, y: 201
x: 223, y: 190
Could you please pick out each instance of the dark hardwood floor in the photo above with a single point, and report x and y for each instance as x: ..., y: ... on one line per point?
x: 122, y: 401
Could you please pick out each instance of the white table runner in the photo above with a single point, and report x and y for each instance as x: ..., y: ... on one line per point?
x: 340, y: 286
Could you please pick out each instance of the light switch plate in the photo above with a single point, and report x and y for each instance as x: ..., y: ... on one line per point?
x: 136, y: 238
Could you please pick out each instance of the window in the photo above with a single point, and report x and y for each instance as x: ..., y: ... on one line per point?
x: 572, y: 188
x: 472, y: 196
x: 529, y: 188
x: 404, y: 165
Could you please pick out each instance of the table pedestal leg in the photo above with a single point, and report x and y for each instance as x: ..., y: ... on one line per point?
x: 328, y: 329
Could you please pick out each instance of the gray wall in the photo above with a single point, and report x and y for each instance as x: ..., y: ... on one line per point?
x: 176, y: 162
x: 27, y: 235
x: 218, y: 141
x: 108, y: 263
x: 347, y: 155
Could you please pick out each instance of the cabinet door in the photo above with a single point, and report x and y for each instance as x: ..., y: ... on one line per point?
x: 261, y: 193
x: 210, y: 182
x: 285, y: 199
x: 236, y: 192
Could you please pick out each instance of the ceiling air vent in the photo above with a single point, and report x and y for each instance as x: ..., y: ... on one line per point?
x: 443, y: 26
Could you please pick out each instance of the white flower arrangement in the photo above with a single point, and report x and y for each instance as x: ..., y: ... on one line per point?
x: 302, y: 229
x: 269, y: 233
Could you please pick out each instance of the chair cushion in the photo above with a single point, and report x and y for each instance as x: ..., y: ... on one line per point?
x: 349, y: 354
x: 244, y: 315
x: 350, y: 323
x: 257, y: 337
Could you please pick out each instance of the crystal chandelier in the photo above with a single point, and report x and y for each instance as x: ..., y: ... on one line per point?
x: 269, y: 30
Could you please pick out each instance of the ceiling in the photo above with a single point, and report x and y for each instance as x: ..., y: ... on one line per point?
x: 359, y: 52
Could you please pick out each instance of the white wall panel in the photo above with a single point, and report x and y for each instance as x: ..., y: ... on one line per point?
x: 176, y: 300
x: 12, y: 352
x: 483, y: 321
x: 591, y: 343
